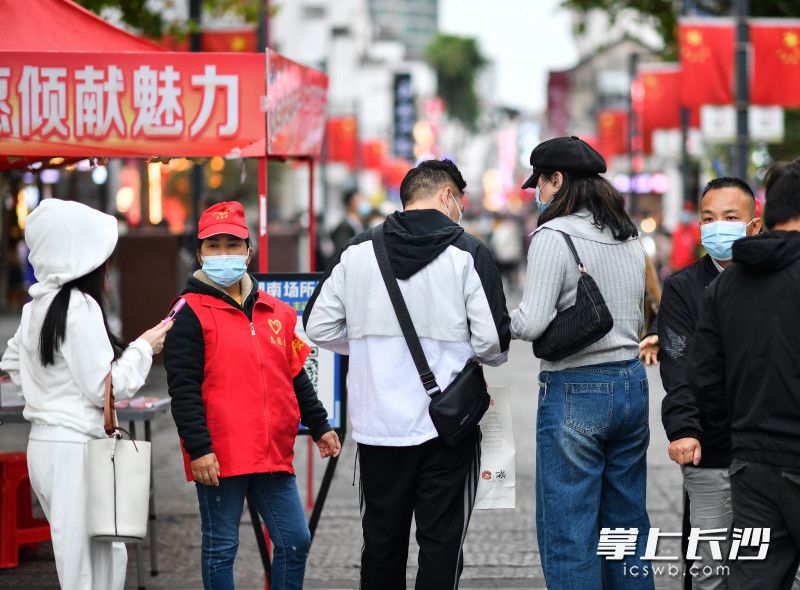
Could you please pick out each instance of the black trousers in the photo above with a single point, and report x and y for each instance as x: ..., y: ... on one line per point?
x: 436, y: 484
x: 765, y: 496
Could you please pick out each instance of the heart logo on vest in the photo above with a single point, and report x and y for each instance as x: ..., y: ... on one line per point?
x: 275, y: 325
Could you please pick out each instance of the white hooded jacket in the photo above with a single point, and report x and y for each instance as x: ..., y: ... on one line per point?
x: 64, y: 401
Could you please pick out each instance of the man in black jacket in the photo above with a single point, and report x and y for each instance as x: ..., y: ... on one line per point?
x: 744, y: 372
x: 727, y: 203
x: 356, y: 208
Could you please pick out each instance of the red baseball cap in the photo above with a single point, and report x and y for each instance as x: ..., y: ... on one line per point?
x: 223, y: 218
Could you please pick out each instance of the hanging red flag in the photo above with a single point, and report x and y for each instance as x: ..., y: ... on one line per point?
x: 657, y: 101
x: 558, y: 93
x: 342, y: 140
x: 373, y: 153
x: 707, y: 51
x: 612, y: 132
x: 776, y: 62
x: 235, y: 40
x: 660, y: 97
x: 393, y: 172
x: 231, y: 40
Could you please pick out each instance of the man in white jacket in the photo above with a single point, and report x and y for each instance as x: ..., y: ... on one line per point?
x: 453, y: 291
x: 63, y: 388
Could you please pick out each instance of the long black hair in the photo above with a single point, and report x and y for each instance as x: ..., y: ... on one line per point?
x: 594, y: 193
x: 54, y: 328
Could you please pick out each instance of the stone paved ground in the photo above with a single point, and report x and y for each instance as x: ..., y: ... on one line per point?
x: 500, y: 550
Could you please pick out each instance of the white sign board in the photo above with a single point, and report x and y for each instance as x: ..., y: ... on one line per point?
x: 718, y: 123
x: 497, y: 482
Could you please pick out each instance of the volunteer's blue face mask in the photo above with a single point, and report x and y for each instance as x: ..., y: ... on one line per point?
x: 718, y: 237
x: 225, y: 270
x: 364, y: 208
x: 539, y: 205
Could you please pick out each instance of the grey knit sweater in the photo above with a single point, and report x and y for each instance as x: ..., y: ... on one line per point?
x: 552, y: 280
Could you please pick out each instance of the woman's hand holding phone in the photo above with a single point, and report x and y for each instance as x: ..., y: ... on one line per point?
x: 155, y: 335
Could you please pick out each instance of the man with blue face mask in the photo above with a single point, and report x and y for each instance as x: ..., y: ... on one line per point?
x: 727, y: 213
x: 238, y: 387
x: 743, y: 373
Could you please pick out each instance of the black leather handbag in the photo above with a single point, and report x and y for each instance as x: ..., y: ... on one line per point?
x: 456, y: 411
x: 578, y: 326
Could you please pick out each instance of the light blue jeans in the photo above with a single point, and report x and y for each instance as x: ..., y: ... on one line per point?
x: 592, y: 434
x: 278, y: 503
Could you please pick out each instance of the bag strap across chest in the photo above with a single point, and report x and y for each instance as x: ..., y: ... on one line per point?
x: 401, y: 309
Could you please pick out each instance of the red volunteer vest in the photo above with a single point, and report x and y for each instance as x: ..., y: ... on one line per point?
x: 248, y: 392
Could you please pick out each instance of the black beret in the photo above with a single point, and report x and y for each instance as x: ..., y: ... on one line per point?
x: 567, y: 154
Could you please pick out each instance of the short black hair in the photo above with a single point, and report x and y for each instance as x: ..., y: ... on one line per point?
x: 200, y: 241
x: 782, y: 185
x: 729, y: 182
x: 349, y: 195
x: 427, y: 177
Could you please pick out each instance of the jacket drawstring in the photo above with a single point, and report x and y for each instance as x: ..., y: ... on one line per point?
x: 355, y: 461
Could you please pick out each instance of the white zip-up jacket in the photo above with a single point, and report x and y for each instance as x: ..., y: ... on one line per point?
x: 454, y: 294
x: 64, y: 401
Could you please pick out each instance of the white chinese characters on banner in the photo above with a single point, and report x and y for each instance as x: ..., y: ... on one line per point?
x: 96, y: 99
x: 97, y: 106
x: 43, y: 102
x: 156, y: 98
x: 5, y: 108
x: 210, y: 81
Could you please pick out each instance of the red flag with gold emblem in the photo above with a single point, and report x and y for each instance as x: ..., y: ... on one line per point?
x: 298, y: 354
x: 232, y: 40
x: 776, y: 62
x: 657, y: 100
x: 342, y: 138
x: 707, y: 50
x: 660, y: 96
x: 373, y: 152
x: 612, y: 132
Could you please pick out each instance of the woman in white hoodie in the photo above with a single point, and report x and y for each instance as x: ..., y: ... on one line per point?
x: 59, y: 357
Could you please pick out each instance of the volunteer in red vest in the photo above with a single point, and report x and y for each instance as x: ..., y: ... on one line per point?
x: 239, y: 390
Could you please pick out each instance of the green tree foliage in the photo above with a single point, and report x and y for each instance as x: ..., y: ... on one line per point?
x: 664, y: 13
x: 150, y: 23
x: 457, y: 62
x: 134, y: 13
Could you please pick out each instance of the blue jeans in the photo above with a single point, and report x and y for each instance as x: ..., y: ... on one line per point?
x: 591, y: 442
x: 278, y: 503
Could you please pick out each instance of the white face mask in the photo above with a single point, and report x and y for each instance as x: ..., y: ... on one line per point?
x: 460, y: 212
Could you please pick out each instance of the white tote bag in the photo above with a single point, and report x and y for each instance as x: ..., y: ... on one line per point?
x: 119, y: 481
x: 497, y: 482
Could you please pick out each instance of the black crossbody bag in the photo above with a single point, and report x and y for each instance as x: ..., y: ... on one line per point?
x: 456, y: 411
x: 578, y: 326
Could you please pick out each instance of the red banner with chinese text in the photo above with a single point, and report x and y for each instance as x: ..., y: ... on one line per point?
x: 126, y: 104
x: 297, y: 99
x: 776, y: 62
x: 706, y: 49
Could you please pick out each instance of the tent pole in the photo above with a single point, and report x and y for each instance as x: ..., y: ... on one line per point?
x: 263, y: 246
x: 312, y: 220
